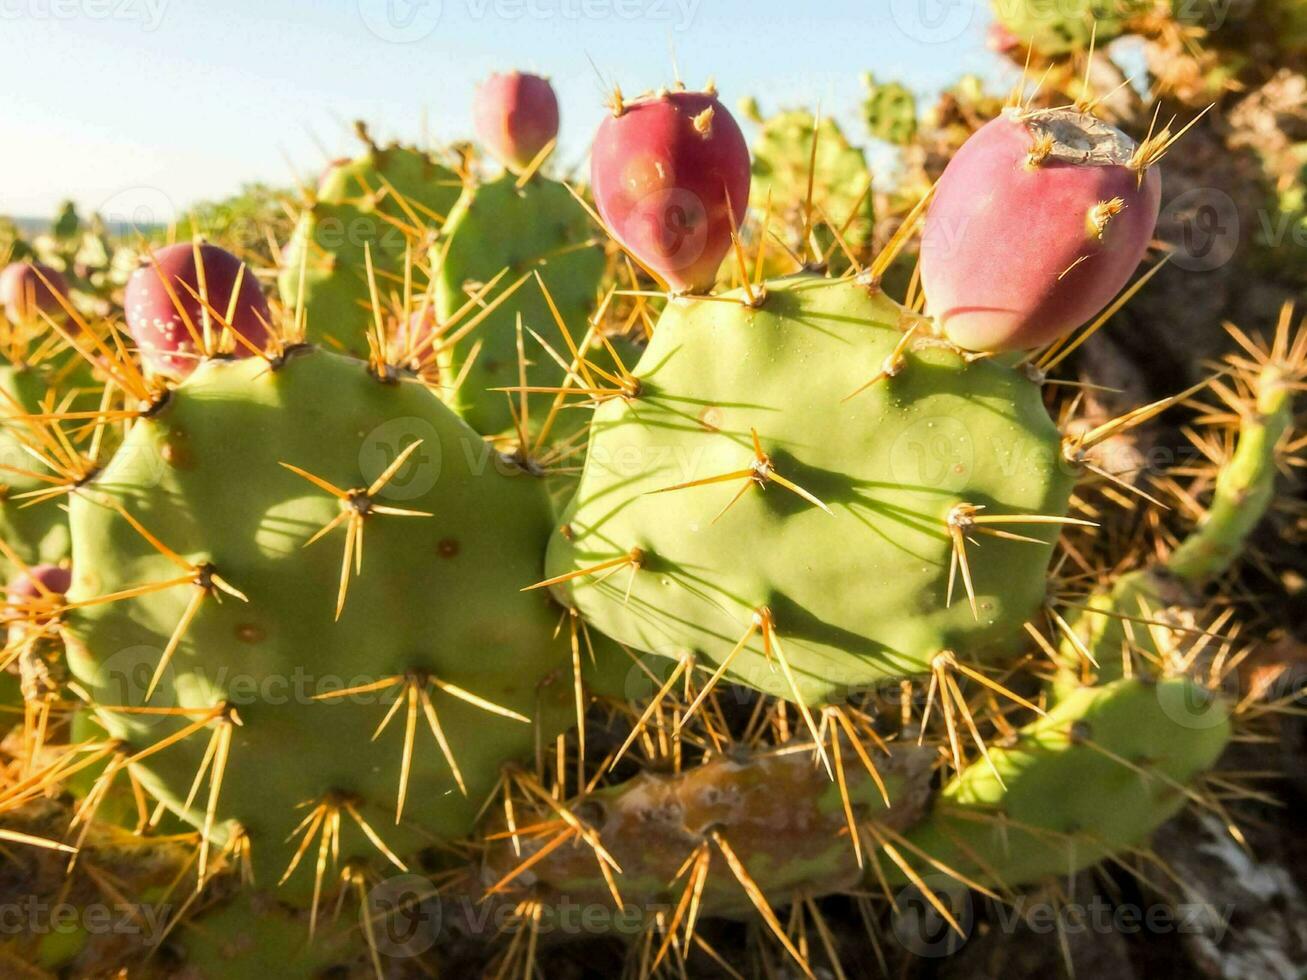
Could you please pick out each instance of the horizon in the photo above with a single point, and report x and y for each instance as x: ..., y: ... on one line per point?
x: 280, y: 87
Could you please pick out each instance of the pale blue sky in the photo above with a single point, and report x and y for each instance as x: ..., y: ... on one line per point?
x: 126, y: 105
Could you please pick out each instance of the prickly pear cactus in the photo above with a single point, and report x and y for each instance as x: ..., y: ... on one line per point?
x: 890, y: 110
x: 783, y: 154
x: 208, y: 558
x: 822, y: 616
x: 384, y: 205
x: 736, y: 523
x: 1052, y: 29
x: 35, y: 379
x: 552, y: 261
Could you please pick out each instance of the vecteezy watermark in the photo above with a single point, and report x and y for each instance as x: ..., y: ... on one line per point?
x: 679, y: 13
x: 405, y: 915
x: 1202, y: 226
x: 1101, y: 917
x: 402, y: 915
x: 938, y: 924
x: 136, y: 210
x: 32, y: 916
x: 383, y: 447
x: 407, y: 21
x: 401, y: 21
x: 932, y: 21
x: 149, y: 13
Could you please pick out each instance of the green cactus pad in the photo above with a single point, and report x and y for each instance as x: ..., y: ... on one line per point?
x: 36, y: 531
x: 890, y: 110
x: 859, y: 594
x: 436, y: 595
x: 1097, y: 776
x: 254, y: 935
x: 782, y: 160
x: 538, y: 227
x: 379, y: 201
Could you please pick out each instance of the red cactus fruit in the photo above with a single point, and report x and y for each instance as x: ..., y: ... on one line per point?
x: 25, y: 295
x: 421, y: 327
x: 1000, y: 40
x: 32, y: 596
x: 668, y: 171
x: 515, y: 115
x: 1037, y: 223
x: 157, y: 314
x: 29, y: 585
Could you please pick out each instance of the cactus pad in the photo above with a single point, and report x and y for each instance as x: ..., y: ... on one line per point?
x: 204, y: 474
x: 551, y: 235
x: 856, y: 592
x: 387, y: 198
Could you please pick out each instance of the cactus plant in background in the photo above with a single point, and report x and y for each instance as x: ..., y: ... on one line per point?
x: 890, y: 110
x: 790, y: 146
x: 383, y: 206
x: 843, y: 600
x: 29, y: 289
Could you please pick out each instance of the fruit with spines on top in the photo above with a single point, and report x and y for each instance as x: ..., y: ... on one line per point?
x: 516, y: 116
x: 28, y: 290
x: 180, y: 303
x: 1036, y: 224
x: 670, y: 176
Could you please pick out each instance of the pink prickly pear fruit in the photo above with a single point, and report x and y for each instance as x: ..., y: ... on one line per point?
x: 1000, y: 40
x: 25, y: 294
x: 421, y: 328
x: 37, y: 582
x: 1036, y: 224
x: 515, y: 116
x: 670, y: 175
x: 33, y: 594
x: 157, y: 314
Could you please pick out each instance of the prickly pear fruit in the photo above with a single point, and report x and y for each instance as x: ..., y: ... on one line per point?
x: 668, y: 170
x: 515, y: 115
x: 25, y: 294
x: 1037, y: 222
x: 166, y: 316
x: 38, y: 581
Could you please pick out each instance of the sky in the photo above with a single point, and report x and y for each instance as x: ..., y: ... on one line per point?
x: 138, y: 108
